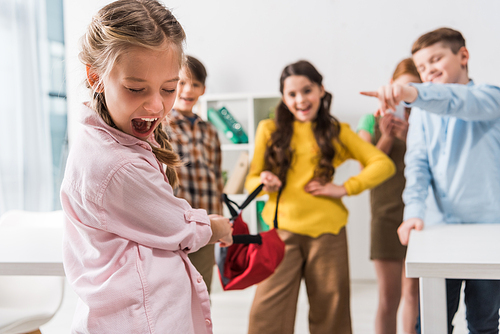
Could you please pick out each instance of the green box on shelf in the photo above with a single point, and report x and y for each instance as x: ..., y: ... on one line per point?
x: 239, y: 135
x: 228, y: 125
x: 261, y: 225
x: 215, y: 118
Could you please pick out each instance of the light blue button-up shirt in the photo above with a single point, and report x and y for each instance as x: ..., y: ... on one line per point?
x: 453, y: 145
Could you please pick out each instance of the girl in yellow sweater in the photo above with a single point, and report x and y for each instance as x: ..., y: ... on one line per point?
x: 299, y: 152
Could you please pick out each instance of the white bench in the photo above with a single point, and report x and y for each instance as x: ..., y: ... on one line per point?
x: 467, y: 251
x: 31, y: 269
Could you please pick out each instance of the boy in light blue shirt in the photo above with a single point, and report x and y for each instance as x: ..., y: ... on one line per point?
x: 453, y: 145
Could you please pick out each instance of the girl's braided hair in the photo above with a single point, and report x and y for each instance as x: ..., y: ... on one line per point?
x: 113, y: 30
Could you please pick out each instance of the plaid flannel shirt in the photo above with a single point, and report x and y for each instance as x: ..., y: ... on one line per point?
x: 200, y: 178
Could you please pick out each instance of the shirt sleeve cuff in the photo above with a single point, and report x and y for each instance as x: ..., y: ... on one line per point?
x: 197, y: 215
x: 348, y: 187
x: 419, y: 96
x: 429, y: 93
x: 203, y: 230
x: 413, y: 211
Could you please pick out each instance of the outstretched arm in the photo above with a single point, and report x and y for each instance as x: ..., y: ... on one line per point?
x: 389, y: 96
x: 468, y: 102
x: 126, y: 209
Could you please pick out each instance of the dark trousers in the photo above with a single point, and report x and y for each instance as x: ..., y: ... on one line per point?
x: 482, y: 302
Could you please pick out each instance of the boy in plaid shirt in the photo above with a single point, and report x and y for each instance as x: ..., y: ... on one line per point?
x: 197, y: 143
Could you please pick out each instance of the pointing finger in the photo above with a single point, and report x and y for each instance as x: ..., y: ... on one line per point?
x: 372, y: 94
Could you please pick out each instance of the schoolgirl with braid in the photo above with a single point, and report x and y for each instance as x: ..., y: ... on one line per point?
x: 127, y: 237
x: 299, y: 151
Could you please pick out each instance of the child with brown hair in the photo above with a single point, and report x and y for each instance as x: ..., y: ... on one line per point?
x: 197, y: 143
x: 388, y: 133
x: 299, y: 151
x: 453, y: 147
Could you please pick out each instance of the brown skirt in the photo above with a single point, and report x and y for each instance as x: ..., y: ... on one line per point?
x: 385, y: 244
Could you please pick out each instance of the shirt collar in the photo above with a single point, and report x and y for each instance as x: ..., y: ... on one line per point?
x: 89, y: 117
x: 175, y: 115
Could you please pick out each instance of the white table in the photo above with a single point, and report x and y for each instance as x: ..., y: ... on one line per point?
x: 470, y: 251
x: 31, y: 243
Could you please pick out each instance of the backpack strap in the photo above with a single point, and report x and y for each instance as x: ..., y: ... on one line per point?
x: 247, y: 239
x: 251, y: 238
x: 252, y: 196
x: 275, y: 221
x: 229, y: 204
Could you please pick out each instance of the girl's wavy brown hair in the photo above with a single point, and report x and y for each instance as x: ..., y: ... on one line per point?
x: 279, y: 155
x: 113, y: 30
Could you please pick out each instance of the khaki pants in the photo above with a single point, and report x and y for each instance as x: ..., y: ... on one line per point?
x: 323, y: 263
x: 204, y: 260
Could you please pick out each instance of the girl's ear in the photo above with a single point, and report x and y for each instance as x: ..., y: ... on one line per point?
x: 322, y: 90
x: 94, y: 81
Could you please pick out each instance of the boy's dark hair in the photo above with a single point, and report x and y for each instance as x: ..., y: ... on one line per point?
x: 449, y: 37
x: 196, y: 69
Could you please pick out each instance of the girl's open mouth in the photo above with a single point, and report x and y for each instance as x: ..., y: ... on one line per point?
x: 142, y: 127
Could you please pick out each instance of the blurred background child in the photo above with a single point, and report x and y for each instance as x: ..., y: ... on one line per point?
x: 299, y: 151
x: 197, y: 143
x: 388, y: 133
x: 453, y: 147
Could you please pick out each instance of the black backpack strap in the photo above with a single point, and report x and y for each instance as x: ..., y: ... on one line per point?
x: 252, y: 196
x: 229, y: 204
x: 247, y: 239
x: 275, y: 221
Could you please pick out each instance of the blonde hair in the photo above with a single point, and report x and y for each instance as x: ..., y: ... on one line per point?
x: 113, y: 30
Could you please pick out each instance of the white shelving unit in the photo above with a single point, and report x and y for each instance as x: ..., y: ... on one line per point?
x: 249, y: 110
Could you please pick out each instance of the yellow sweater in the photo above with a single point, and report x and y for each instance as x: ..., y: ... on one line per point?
x: 300, y: 212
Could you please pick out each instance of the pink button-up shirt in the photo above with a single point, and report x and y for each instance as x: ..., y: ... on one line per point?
x: 127, y: 237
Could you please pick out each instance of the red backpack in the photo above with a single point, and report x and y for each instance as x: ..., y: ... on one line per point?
x: 251, y: 258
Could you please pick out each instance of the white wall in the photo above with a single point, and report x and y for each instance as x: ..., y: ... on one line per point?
x: 355, y: 45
